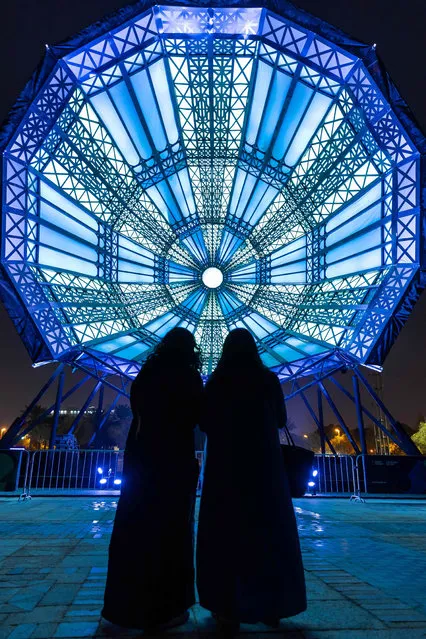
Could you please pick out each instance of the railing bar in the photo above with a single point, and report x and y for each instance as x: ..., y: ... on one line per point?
x: 88, y: 462
x: 346, y: 476
x: 71, y: 469
x: 57, y: 456
x: 76, y: 475
x: 320, y: 480
x: 68, y: 473
x: 116, y: 465
x: 44, y: 466
x: 63, y: 473
x: 81, y: 463
x: 30, y: 481
x: 42, y: 470
x: 96, y: 469
x: 319, y: 475
x: 77, y: 468
x: 21, y: 473
x: 38, y: 470
x: 48, y: 468
x: 350, y: 462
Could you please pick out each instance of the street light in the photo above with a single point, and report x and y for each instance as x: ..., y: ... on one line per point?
x: 305, y: 436
x: 337, y: 431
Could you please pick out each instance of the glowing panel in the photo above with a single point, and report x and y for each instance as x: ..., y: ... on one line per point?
x: 210, y: 168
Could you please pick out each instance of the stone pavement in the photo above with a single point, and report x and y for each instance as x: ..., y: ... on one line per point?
x: 365, y: 569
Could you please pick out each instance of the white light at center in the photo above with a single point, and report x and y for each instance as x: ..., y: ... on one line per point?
x: 212, y: 277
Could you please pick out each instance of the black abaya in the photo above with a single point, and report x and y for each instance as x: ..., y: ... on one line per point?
x: 249, y: 565
x: 150, y: 570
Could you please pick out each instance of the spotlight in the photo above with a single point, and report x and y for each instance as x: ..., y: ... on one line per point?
x: 117, y: 482
x: 314, y: 473
x: 103, y: 481
x: 100, y: 470
x: 310, y: 483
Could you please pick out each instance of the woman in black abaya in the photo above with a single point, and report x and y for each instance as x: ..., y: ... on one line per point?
x: 249, y: 565
x: 150, y: 579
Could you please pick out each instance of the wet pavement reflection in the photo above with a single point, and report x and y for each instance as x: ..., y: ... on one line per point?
x: 365, y: 569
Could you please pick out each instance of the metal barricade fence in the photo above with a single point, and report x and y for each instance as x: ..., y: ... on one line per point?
x: 24, y: 466
x: 335, y: 474
x: 75, y: 471
x: 22, y: 458
x: 81, y: 471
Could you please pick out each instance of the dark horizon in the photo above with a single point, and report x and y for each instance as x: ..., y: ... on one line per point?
x: 398, y: 33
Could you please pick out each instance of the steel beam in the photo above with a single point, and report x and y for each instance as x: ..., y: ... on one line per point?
x: 339, y: 418
x: 12, y: 433
x: 405, y: 442
x: 57, y: 409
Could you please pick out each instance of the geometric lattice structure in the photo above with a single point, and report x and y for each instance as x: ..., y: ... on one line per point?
x: 169, y: 140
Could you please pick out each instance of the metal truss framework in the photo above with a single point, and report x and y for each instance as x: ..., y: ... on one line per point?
x: 190, y: 137
x: 96, y: 378
x: 325, y: 369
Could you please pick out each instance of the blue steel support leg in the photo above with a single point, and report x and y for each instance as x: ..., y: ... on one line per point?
x: 84, y: 408
x: 13, y: 434
x: 58, y: 402
x: 370, y: 415
x: 359, y: 417
x: 100, y: 406
x: 104, y: 418
x: 404, y: 441
x: 361, y: 429
x: 316, y: 420
x: 51, y: 408
x: 339, y: 418
x: 321, y: 420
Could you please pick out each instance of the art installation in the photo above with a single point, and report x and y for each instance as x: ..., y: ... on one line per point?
x: 211, y: 168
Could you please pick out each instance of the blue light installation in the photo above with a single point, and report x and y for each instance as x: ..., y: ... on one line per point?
x: 189, y: 139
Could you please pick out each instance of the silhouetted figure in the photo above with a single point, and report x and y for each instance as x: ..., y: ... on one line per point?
x: 150, y: 571
x: 249, y: 565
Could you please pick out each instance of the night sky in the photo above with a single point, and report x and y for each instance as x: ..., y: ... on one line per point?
x: 396, y: 26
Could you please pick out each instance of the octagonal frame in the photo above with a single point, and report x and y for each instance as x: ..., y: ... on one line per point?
x: 291, y: 32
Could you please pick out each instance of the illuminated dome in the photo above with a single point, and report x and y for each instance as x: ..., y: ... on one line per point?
x: 170, y: 144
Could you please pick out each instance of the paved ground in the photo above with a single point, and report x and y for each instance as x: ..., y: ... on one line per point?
x: 365, y: 568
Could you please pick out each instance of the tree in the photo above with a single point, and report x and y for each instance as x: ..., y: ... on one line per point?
x: 341, y: 444
x: 394, y: 449
x: 85, y: 428
x: 335, y: 435
x: 419, y: 438
x: 114, y: 432
x: 118, y: 428
x: 39, y: 436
